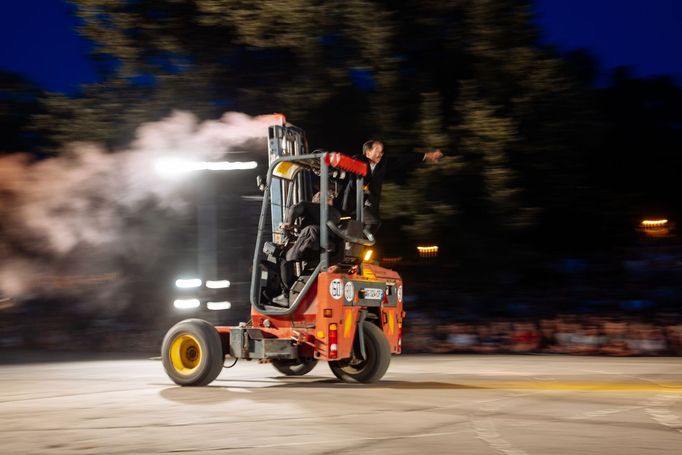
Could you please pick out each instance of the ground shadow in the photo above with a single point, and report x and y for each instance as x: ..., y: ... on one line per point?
x: 226, y: 390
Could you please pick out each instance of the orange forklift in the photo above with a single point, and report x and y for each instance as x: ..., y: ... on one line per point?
x: 342, y: 309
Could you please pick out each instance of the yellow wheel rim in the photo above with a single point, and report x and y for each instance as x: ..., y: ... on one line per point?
x: 185, y: 354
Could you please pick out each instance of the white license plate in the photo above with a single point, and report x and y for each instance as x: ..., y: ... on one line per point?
x: 374, y: 294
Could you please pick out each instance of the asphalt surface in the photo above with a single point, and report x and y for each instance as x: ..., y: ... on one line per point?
x: 512, y: 405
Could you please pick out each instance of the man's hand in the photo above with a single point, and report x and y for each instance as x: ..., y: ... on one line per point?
x: 433, y: 155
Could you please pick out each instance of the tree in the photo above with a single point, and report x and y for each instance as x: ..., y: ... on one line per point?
x: 467, y: 75
x: 19, y: 102
x: 304, y: 58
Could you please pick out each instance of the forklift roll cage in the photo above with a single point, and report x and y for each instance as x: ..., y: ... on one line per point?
x: 320, y: 164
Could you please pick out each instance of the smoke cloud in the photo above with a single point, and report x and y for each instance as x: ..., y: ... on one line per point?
x: 70, y: 223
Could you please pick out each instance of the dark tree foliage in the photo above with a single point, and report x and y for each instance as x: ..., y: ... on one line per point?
x: 536, y: 155
x: 20, y: 100
x: 642, y: 157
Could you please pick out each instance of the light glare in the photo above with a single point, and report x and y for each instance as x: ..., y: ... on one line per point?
x: 184, y: 304
x: 176, y: 166
x: 225, y: 165
x: 649, y: 223
x: 218, y: 305
x: 218, y: 284
x: 428, y: 251
x: 188, y: 283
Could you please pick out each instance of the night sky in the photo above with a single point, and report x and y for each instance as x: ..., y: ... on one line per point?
x: 39, y: 39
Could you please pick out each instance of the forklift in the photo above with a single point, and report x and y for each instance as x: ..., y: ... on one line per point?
x: 342, y: 308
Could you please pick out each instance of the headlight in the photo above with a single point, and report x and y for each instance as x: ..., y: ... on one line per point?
x: 184, y: 304
x: 218, y: 284
x: 188, y: 283
x: 218, y: 305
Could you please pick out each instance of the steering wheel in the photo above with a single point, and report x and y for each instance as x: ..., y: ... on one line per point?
x: 368, y: 239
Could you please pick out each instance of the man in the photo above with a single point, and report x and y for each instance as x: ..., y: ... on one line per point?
x: 307, y: 245
x: 378, y: 167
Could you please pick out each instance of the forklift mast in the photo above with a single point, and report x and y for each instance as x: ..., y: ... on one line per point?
x: 286, y: 140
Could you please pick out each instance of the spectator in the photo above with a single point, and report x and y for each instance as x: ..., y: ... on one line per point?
x: 614, y: 338
x: 587, y: 340
x: 525, y: 337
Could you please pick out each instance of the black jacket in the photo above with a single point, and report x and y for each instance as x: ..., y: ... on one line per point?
x: 309, y: 212
x: 374, y: 180
x: 307, y: 246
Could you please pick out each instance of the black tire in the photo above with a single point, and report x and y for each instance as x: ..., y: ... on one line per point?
x: 192, y: 353
x: 296, y: 367
x: 374, y: 366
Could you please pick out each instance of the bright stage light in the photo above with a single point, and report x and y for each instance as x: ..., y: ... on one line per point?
x: 218, y: 284
x: 218, y: 305
x: 185, y: 304
x: 175, y: 166
x: 188, y: 283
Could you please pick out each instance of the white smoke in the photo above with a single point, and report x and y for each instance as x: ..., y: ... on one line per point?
x: 72, y: 213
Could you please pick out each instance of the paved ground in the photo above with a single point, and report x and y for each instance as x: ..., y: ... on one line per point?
x: 512, y: 405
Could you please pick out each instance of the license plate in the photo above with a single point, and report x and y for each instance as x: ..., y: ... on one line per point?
x: 374, y: 294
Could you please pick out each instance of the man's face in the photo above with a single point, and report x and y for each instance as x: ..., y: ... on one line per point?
x: 375, y: 153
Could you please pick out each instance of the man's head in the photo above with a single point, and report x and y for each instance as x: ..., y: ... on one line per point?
x: 373, y: 150
x: 330, y: 197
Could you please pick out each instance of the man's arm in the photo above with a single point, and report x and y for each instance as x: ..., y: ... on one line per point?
x: 294, y: 212
x: 409, y: 161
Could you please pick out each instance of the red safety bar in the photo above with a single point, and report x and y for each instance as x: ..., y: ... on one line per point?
x: 346, y: 163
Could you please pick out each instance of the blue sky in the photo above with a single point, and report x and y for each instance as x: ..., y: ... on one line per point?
x: 39, y: 39
x: 644, y: 34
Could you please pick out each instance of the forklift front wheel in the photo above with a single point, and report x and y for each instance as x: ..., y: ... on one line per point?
x: 373, y: 366
x: 192, y: 353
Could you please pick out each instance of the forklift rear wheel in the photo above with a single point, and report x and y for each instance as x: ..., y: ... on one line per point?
x: 372, y: 368
x: 296, y: 367
x: 192, y: 353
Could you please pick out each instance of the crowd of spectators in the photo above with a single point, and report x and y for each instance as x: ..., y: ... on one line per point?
x: 622, y: 303
x: 617, y: 305
x: 567, y: 334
